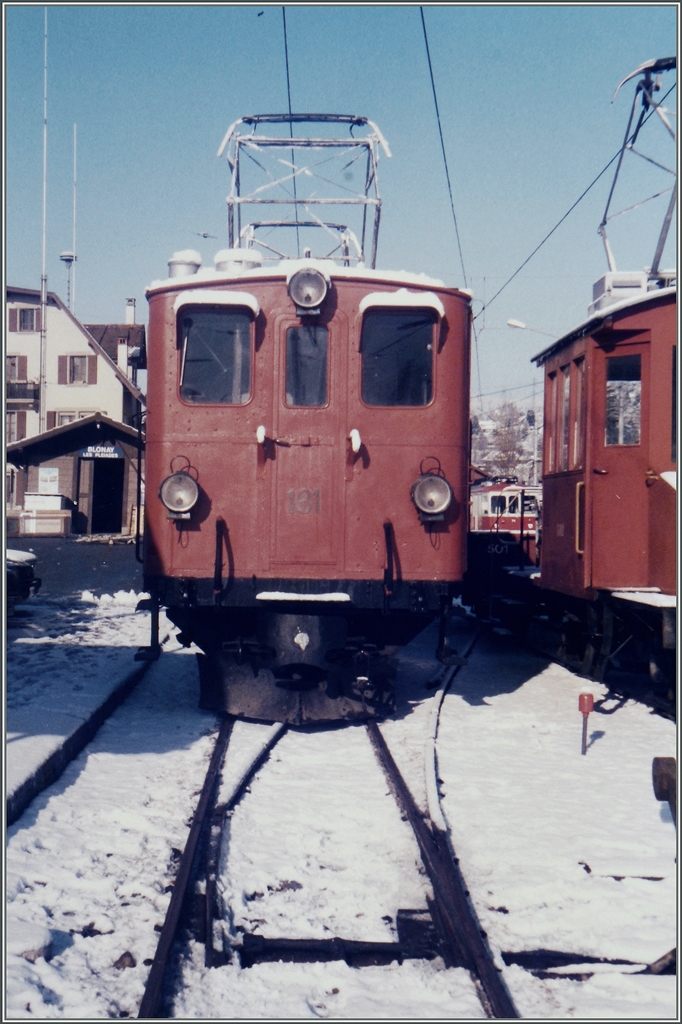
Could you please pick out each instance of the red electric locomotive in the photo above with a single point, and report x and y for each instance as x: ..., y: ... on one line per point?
x: 307, y: 439
x: 609, y: 483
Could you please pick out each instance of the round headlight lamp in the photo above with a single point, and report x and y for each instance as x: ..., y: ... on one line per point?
x: 431, y: 494
x: 179, y: 492
x: 307, y: 288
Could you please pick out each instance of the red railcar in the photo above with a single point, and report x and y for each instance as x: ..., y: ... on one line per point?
x: 307, y: 461
x: 609, y: 483
x: 609, y: 539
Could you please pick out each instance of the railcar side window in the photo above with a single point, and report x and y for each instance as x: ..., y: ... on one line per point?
x: 578, y: 414
x: 563, y: 413
x: 216, y: 356
x: 498, y: 504
x: 550, y: 421
x: 623, y: 399
x: 397, y: 358
x: 306, y: 378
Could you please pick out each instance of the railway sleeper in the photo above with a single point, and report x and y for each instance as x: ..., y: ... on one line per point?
x: 417, y: 940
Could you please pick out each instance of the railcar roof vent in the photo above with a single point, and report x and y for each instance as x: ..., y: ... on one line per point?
x: 184, y: 264
x: 232, y: 261
x: 616, y: 286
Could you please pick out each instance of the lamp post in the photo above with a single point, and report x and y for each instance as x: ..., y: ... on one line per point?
x: 519, y: 325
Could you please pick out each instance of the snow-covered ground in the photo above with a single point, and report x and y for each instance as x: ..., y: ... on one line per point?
x: 64, y: 658
x: 89, y: 862
x: 561, y: 851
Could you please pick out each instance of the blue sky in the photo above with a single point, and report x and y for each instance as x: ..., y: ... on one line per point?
x: 525, y: 100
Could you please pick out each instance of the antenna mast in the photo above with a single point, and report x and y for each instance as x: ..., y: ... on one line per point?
x: 73, y: 280
x: 69, y: 256
x: 43, y: 277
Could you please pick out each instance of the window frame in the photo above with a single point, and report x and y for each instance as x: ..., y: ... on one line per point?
x: 186, y: 309
x: 83, y: 362
x: 610, y: 360
x: 28, y: 312
x: 328, y: 383
x: 398, y: 310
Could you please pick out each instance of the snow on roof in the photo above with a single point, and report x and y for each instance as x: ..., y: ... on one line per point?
x: 591, y: 324
x: 284, y: 267
x: 403, y: 298
x: 201, y: 296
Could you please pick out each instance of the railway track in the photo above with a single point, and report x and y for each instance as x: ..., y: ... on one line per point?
x: 447, y: 927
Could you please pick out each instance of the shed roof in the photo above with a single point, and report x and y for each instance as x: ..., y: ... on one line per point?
x: 70, y: 437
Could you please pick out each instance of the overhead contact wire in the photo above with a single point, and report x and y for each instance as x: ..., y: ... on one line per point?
x: 442, y: 145
x: 571, y: 208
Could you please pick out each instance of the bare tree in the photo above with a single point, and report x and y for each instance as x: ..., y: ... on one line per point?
x: 503, y: 443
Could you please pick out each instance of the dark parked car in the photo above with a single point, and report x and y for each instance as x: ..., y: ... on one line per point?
x: 22, y: 581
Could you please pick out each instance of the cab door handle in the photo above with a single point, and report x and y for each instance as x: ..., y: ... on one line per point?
x: 578, y: 488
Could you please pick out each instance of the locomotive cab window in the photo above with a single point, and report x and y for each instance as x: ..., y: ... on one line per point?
x: 306, y: 375
x: 397, y: 358
x: 623, y: 399
x: 216, y: 356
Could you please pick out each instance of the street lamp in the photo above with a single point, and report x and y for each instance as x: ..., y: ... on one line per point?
x: 524, y: 327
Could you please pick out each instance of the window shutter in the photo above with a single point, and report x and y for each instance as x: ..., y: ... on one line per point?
x: 92, y: 369
x: 21, y: 425
x: 22, y: 368
x: 62, y: 369
x: 13, y: 318
x: 37, y: 320
x: 51, y: 420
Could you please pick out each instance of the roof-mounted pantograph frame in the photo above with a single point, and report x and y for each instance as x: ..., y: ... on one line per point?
x: 317, y: 175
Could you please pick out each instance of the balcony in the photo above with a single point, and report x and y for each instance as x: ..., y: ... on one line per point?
x: 22, y: 391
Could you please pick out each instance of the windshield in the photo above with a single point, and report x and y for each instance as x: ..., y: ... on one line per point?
x: 216, y: 356
x: 397, y: 358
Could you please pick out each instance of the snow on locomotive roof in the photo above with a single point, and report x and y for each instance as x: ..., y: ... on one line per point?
x: 209, y: 275
x: 402, y: 298
x: 209, y: 296
x: 592, y: 323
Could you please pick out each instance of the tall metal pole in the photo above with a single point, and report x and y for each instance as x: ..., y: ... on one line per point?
x: 43, y: 277
x: 73, y: 250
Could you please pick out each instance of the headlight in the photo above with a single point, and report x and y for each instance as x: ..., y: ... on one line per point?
x: 179, y: 492
x: 431, y: 494
x: 307, y: 288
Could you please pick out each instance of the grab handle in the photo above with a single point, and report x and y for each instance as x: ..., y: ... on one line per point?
x: 580, y: 484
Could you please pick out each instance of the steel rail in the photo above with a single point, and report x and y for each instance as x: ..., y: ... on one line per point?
x: 452, y: 911
x: 149, y: 1007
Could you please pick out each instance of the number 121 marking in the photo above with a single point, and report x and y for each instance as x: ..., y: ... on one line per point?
x: 303, y: 500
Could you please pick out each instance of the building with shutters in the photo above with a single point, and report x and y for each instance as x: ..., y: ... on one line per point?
x: 87, y: 371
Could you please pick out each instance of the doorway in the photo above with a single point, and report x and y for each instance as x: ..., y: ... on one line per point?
x: 107, y: 495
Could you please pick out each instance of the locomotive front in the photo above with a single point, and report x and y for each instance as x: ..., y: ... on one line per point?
x: 307, y: 437
x: 306, y: 476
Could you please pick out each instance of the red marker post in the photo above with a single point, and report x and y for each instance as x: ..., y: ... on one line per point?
x: 585, y: 705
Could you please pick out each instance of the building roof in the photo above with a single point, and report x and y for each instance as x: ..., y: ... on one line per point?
x: 33, y: 295
x: 70, y: 437
x: 109, y: 336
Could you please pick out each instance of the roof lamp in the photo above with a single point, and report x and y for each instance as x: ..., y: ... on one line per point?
x: 307, y: 289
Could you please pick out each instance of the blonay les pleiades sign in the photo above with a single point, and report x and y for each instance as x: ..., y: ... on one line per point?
x: 101, y: 451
